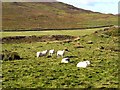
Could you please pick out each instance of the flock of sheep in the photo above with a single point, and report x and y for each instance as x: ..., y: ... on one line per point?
x: 61, y: 53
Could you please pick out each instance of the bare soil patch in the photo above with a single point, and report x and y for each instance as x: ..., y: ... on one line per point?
x: 29, y: 39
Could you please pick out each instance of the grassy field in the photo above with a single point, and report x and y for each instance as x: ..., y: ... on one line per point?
x: 55, y: 32
x: 44, y: 72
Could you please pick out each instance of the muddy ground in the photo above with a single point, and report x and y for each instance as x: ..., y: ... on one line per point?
x: 29, y: 39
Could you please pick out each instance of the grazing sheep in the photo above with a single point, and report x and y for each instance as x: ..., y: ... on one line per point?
x: 38, y: 54
x: 43, y: 53
x: 83, y: 64
x: 60, y: 53
x: 65, y: 60
x: 51, y: 52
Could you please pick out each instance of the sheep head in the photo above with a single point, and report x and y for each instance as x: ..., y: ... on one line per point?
x: 87, y: 62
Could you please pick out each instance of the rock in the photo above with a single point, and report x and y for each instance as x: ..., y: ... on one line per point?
x: 67, y: 41
x: 101, y: 47
x: 77, y: 39
x: 90, y: 42
x: 79, y: 46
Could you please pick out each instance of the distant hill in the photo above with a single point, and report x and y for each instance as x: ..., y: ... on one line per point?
x: 35, y: 15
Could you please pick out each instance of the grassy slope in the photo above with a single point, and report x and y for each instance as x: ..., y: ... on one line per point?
x: 50, y: 73
x: 50, y: 15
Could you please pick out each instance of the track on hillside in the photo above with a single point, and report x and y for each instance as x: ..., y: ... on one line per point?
x: 50, y: 29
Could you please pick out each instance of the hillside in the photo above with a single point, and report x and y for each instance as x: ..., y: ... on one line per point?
x: 31, y: 15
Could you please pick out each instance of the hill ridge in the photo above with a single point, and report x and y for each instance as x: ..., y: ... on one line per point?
x: 28, y: 15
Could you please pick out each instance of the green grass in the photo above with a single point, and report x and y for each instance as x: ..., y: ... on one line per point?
x: 43, y: 72
x: 55, y: 32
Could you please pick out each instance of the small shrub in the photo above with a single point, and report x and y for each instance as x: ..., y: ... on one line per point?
x: 113, y: 32
x: 104, y: 36
x: 1, y: 56
x: 10, y: 56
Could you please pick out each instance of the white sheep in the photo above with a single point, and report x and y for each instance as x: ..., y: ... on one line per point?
x: 51, y: 52
x: 38, y: 54
x: 65, y: 60
x: 83, y: 64
x: 43, y: 53
x: 60, y: 53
